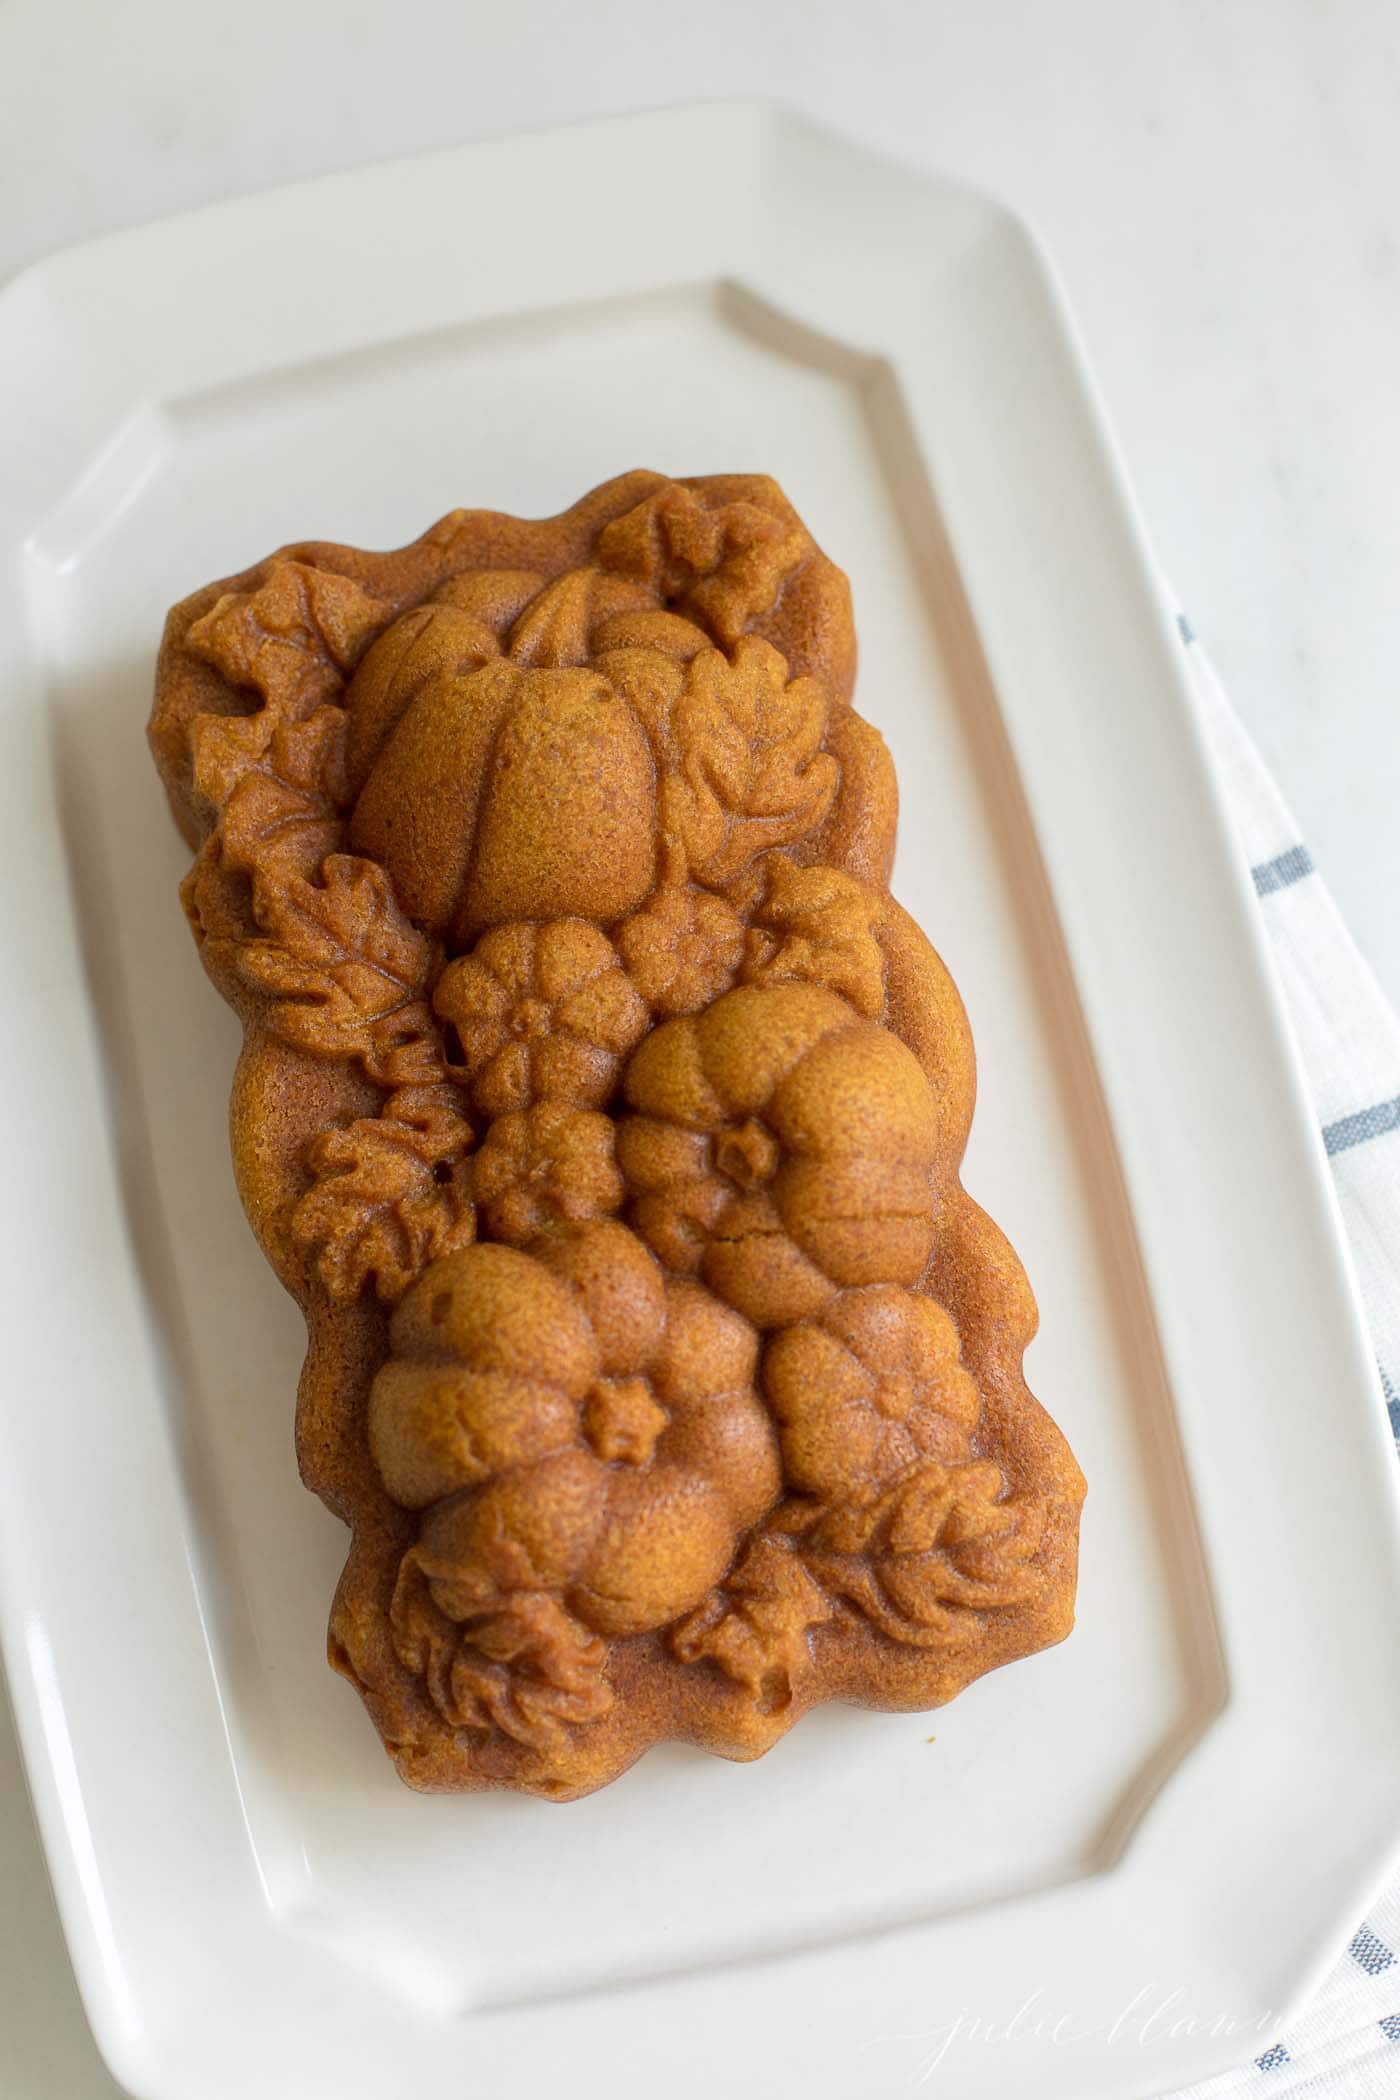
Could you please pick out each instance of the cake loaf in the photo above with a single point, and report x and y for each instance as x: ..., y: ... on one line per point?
x: 603, y: 1113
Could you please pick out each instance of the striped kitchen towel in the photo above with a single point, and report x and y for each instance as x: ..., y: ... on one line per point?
x: 1345, y: 2044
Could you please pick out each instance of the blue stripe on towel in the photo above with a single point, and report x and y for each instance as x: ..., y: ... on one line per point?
x: 1392, y: 1402
x: 1376, y: 1121
x: 1370, y: 1952
x: 1283, y: 869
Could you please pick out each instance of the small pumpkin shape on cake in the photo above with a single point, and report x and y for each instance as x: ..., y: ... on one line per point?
x: 871, y: 1387
x: 780, y: 1147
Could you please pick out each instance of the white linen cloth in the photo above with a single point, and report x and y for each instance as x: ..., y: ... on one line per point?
x: 1344, y: 2044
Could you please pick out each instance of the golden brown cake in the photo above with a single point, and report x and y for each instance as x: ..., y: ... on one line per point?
x: 603, y: 1113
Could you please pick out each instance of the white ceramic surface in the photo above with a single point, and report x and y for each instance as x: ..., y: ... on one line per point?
x: 250, y: 1897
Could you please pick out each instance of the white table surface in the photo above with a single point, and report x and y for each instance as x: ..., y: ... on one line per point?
x: 1218, y: 179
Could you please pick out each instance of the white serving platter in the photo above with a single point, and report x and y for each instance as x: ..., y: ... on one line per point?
x: 1103, y: 1872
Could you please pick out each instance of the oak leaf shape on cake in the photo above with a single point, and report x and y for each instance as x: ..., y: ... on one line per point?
x: 270, y: 777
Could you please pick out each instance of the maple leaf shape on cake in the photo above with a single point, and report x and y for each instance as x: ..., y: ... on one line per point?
x: 727, y: 565
x: 347, y: 970
x: 814, y: 926
x: 278, y: 787
x: 751, y: 773
x: 390, y: 1195
x: 755, y: 1628
x: 295, y: 638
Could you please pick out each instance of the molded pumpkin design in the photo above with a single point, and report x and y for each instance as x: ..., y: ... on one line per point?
x: 508, y: 793
x: 537, y: 773
x: 584, y: 1425
x: 780, y: 1147
x: 539, y: 1013
x: 874, y: 1385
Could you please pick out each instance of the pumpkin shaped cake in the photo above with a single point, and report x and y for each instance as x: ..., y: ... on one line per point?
x: 603, y: 1112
